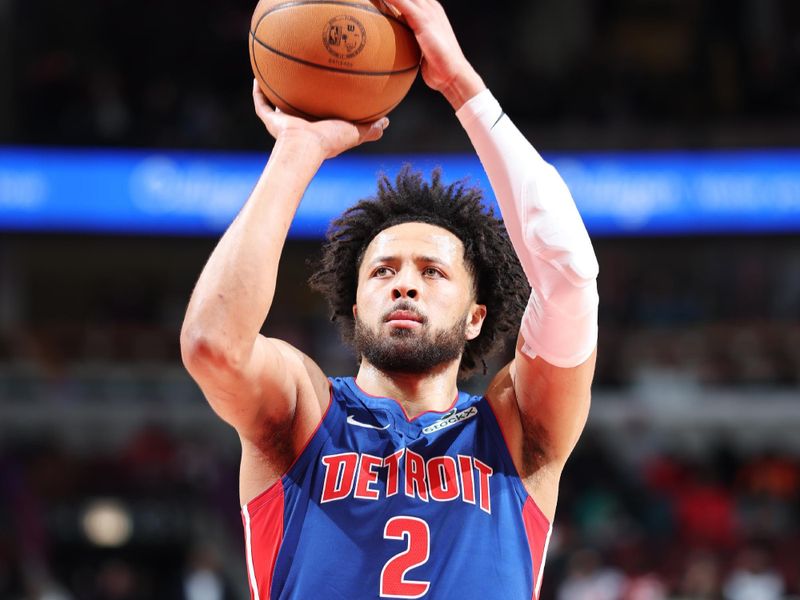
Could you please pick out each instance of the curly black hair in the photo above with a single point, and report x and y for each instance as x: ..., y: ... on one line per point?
x: 500, y: 283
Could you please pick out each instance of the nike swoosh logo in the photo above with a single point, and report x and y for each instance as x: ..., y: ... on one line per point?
x: 352, y: 421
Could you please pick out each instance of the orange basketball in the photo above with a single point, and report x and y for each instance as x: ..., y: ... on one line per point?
x: 320, y: 59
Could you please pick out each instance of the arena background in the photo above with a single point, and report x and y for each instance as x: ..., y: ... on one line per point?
x: 128, y: 141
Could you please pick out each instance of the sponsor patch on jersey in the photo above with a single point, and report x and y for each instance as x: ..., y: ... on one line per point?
x: 450, y: 419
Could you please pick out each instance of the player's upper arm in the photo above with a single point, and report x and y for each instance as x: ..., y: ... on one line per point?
x: 267, y: 388
x: 553, y: 405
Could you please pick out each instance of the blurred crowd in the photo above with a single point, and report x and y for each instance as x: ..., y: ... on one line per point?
x: 578, y: 73
x: 180, y: 495
x: 720, y: 313
x: 668, y: 525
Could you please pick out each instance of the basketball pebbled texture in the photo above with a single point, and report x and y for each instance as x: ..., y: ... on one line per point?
x: 323, y: 59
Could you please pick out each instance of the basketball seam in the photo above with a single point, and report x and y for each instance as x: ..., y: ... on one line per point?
x: 355, y: 5
x: 308, y: 63
x: 277, y: 95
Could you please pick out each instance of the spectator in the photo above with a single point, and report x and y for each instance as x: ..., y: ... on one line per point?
x: 706, y: 512
x: 753, y: 578
x: 588, y: 579
x: 700, y: 580
x: 203, y: 579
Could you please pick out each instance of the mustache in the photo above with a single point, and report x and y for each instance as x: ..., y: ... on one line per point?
x: 406, y: 306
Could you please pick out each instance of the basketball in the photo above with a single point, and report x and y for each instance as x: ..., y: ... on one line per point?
x: 352, y: 60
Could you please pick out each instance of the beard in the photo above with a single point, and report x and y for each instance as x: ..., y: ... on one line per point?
x: 410, y: 350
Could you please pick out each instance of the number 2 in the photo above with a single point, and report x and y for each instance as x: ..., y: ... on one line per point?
x: 393, y: 575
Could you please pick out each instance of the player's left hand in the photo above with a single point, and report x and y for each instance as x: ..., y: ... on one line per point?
x: 329, y: 137
x: 444, y: 66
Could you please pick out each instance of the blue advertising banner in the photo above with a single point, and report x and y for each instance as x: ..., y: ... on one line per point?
x: 187, y: 193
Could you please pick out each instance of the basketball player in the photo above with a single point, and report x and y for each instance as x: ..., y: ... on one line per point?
x: 394, y: 484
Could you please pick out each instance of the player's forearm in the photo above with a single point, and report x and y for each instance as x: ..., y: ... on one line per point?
x: 235, y: 290
x: 548, y: 235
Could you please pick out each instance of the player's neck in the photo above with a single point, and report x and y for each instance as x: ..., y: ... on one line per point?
x: 434, y: 390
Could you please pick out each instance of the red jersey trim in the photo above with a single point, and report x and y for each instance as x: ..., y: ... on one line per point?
x: 263, y: 537
x: 538, y: 531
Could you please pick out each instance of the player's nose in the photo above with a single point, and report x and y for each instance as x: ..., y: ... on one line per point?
x: 405, y: 286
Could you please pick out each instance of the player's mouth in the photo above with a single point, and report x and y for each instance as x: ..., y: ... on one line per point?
x: 404, y: 319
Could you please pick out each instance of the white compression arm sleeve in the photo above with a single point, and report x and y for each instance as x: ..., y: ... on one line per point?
x: 548, y: 235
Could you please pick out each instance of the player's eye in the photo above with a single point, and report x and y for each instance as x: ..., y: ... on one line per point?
x: 431, y: 272
x: 382, y: 272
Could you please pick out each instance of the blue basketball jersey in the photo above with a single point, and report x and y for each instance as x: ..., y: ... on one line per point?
x: 382, y: 506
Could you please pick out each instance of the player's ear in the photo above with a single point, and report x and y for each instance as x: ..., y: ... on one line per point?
x: 477, y: 316
x: 355, y: 311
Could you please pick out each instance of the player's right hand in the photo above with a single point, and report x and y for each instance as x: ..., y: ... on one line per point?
x: 444, y: 66
x: 332, y: 137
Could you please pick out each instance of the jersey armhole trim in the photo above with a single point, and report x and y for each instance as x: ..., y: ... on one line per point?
x: 538, y: 532
x: 258, y: 501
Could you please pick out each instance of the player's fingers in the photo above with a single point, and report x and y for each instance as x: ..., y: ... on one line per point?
x: 372, y: 132
x: 391, y: 8
x: 260, y: 100
x: 269, y: 115
x: 406, y: 8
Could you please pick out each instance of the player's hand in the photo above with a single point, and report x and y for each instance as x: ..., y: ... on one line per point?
x: 444, y: 66
x: 331, y: 137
